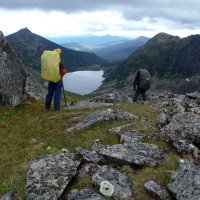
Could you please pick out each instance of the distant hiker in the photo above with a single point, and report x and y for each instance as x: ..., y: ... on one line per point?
x: 141, y: 84
x: 53, y: 71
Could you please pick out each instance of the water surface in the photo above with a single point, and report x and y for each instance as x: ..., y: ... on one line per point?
x: 83, y: 82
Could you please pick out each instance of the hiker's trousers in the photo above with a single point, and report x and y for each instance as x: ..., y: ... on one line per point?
x: 54, y: 89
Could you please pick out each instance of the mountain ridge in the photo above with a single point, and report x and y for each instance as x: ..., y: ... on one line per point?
x: 164, y: 56
x: 30, y: 46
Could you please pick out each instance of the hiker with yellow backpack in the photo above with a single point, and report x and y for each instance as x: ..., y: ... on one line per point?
x: 52, y: 70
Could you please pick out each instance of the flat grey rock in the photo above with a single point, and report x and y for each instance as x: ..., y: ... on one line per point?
x: 134, y: 154
x: 101, y: 116
x: 49, y: 175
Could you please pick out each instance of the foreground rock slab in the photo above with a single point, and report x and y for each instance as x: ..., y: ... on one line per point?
x: 157, y: 191
x: 185, y: 181
x: 101, y: 116
x: 49, y: 175
x: 123, y: 186
x: 84, y: 194
x: 134, y: 154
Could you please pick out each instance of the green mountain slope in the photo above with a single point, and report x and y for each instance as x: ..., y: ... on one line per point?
x: 164, y: 56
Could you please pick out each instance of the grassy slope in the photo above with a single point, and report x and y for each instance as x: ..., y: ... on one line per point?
x: 19, y: 125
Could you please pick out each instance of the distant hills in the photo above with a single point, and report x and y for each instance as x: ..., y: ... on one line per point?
x: 30, y: 46
x: 165, y: 56
x: 112, y: 51
x: 88, y: 40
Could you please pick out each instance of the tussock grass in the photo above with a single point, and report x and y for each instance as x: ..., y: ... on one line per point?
x: 19, y: 125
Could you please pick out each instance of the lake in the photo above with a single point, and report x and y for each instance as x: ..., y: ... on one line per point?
x: 83, y: 82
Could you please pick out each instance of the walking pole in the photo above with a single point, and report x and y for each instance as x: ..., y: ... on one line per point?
x: 64, y: 93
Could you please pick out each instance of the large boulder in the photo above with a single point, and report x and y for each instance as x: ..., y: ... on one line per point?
x: 49, y: 175
x: 15, y: 81
x: 185, y: 181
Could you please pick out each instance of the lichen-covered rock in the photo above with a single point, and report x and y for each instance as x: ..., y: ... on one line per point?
x: 90, y: 156
x: 157, y: 191
x: 134, y: 154
x: 101, y: 116
x: 84, y: 194
x: 131, y: 137
x: 33, y: 88
x: 12, y: 75
x: 185, y: 181
x: 111, y: 97
x: 87, y: 104
x: 8, y: 196
x: 123, y: 186
x: 49, y: 175
x: 163, y: 119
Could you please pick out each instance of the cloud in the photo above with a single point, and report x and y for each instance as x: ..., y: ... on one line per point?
x: 121, y: 17
x: 180, y: 11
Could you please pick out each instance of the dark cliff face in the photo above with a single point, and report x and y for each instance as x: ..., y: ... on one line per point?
x: 164, y: 56
x: 30, y: 47
x: 12, y: 76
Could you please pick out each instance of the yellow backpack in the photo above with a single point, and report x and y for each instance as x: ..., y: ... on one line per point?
x: 50, y: 66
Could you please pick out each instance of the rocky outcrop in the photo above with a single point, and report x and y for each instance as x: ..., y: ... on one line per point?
x: 157, y: 191
x: 123, y: 186
x: 101, y: 116
x: 15, y: 82
x: 84, y: 194
x: 179, y: 121
x: 184, y: 183
x: 49, y: 175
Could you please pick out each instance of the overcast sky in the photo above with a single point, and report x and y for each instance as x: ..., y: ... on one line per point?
x: 130, y: 18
